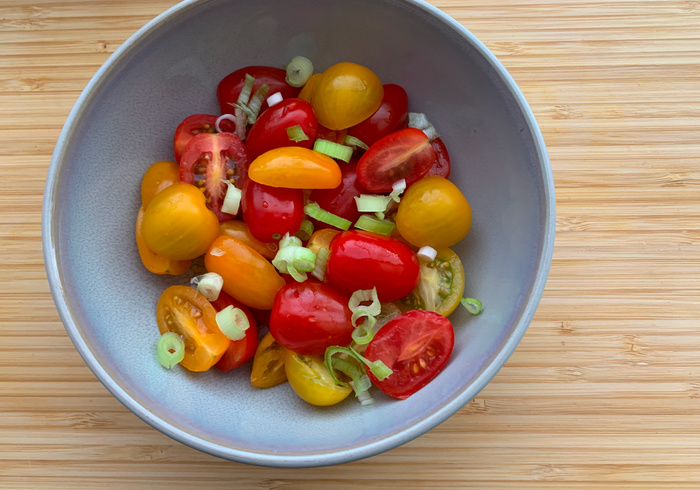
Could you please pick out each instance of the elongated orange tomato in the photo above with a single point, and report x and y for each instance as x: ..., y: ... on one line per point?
x: 248, y: 276
x: 158, y: 176
x: 236, y: 228
x: 296, y: 168
x: 156, y: 263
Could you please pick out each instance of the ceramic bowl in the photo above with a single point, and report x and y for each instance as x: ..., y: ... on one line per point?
x: 124, y: 121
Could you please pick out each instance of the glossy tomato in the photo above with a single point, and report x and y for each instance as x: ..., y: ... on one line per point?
x: 404, y: 154
x: 391, y: 116
x: 210, y: 158
x: 307, y: 92
x: 309, y: 316
x: 268, y: 363
x: 156, y: 263
x: 310, y: 379
x: 415, y: 346
x: 363, y: 260
x: 194, y: 125
x: 341, y: 199
x: 270, y: 129
x: 158, y: 176
x: 236, y: 228
x: 230, y: 87
x: 442, y: 166
x: 239, y: 351
x: 270, y: 212
x: 322, y: 239
x: 295, y: 168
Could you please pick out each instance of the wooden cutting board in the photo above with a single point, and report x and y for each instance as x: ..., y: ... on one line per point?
x: 604, y: 389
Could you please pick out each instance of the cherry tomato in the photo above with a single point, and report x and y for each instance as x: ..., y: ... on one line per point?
x: 307, y: 92
x: 270, y: 129
x: 404, y: 154
x: 248, y: 276
x: 341, y: 199
x: 178, y: 224
x: 322, y: 238
x: 391, y: 116
x: 230, y: 87
x: 237, y: 229
x: 346, y: 95
x: 416, y: 346
x: 209, y: 158
x: 441, y: 167
x: 363, y: 260
x: 295, y: 168
x: 270, y: 212
x: 268, y: 363
x: 310, y: 379
x: 239, y: 351
x: 195, y: 124
x: 309, y: 316
x: 433, y: 212
x: 156, y: 263
x: 187, y: 313
x: 158, y: 176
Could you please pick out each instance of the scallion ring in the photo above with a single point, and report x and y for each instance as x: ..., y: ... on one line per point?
x: 373, y: 224
x: 473, y: 306
x: 355, y: 143
x: 333, y: 150
x: 314, y: 211
x: 232, y: 200
x: 372, y: 203
x: 232, y: 322
x: 299, y: 70
x: 296, y: 134
x: 170, y: 349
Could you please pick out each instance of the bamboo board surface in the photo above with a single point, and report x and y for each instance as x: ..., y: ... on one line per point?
x: 604, y: 389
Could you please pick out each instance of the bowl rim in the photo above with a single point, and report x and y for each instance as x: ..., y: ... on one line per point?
x: 439, y: 415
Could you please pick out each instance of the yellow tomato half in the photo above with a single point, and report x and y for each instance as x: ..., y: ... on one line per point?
x: 311, y: 380
x: 158, y: 176
x: 296, y: 168
x: 268, y: 363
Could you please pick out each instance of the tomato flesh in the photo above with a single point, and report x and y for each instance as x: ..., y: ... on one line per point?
x: 442, y: 166
x: 391, y: 116
x: 230, y: 86
x: 239, y: 351
x: 268, y: 363
x: 270, y: 212
x: 194, y: 125
x: 311, y: 380
x: 270, y: 129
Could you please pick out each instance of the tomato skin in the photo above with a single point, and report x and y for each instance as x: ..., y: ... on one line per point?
x: 194, y: 125
x: 404, y: 154
x: 295, y: 168
x: 341, y: 199
x: 322, y: 238
x: 158, y: 176
x: 416, y: 346
x: 268, y: 363
x: 442, y: 166
x: 309, y: 316
x: 310, y: 379
x: 363, y: 260
x: 270, y: 212
x: 236, y: 228
x: 239, y: 351
x: 270, y: 129
x: 230, y: 86
x: 307, y: 91
x: 391, y: 116
x: 156, y: 263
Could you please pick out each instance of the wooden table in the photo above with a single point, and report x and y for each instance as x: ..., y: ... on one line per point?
x: 604, y: 389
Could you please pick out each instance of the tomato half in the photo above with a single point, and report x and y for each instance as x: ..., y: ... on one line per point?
x: 441, y: 284
x: 270, y: 129
x: 311, y: 380
x: 230, y: 86
x: 268, y: 363
x: 194, y: 125
x: 442, y: 166
x: 341, y: 199
x: 391, y: 116
x: 404, y: 154
x: 236, y: 228
x: 156, y: 263
x: 187, y: 313
x: 158, y: 176
x: 209, y: 158
x: 239, y: 351
x: 295, y: 168
x: 270, y: 212
x: 415, y: 346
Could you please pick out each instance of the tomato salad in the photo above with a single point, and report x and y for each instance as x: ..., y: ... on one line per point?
x: 323, y: 211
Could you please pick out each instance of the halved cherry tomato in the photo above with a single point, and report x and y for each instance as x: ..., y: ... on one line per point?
x: 248, y: 276
x: 363, y: 260
x: 415, y: 346
x: 391, y: 116
x: 442, y: 166
x: 433, y: 212
x: 178, y: 224
x: 322, y: 238
x: 311, y: 380
x: 270, y: 129
x: 187, y: 313
x: 209, y: 158
x: 158, y: 176
x: 239, y: 351
x: 268, y: 363
x: 307, y: 92
x: 309, y: 316
x: 441, y: 284
x: 295, y: 168
x: 404, y: 154
x: 341, y: 199
x: 156, y: 263
x: 230, y: 87
x: 270, y: 212
x: 237, y: 229
x: 192, y: 126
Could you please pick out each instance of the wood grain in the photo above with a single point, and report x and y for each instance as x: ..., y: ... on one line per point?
x: 603, y: 391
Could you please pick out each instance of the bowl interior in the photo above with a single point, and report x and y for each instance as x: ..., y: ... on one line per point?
x: 125, y: 121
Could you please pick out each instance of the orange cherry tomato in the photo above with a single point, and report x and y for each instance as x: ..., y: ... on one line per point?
x: 156, y: 263
x: 248, y: 276
x: 296, y: 168
x: 184, y: 311
x: 158, y: 176
x: 268, y: 363
x: 307, y: 92
x: 322, y: 238
x: 237, y: 229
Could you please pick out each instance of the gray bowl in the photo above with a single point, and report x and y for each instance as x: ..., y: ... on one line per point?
x: 124, y: 121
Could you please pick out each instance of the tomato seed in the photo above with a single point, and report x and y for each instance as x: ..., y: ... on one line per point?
x: 415, y: 368
x: 229, y: 172
x: 422, y: 363
x: 430, y: 351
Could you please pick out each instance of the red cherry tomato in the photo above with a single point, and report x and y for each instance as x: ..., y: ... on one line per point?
x: 341, y: 200
x: 207, y: 159
x: 415, y: 346
x: 195, y: 124
x: 270, y: 212
x: 391, y: 116
x: 363, y: 260
x: 404, y: 154
x: 441, y: 167
x: 239, y: 351
x: 230, y: 87
x: 270, y: 130
x: 309, y: 316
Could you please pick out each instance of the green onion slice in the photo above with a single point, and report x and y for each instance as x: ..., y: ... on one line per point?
x: 256, y: 102
x: 372, y: 203
x: 333, y: 150
x: 420, y: 121
x: 472, y: 305
x: 293, y: 259
x: 358, y: 309
x: 299, y: 70
x: 319, y: 271
x: 232, y: 322
x: 378, y: 368
x: 314, y: 211
x: 209, y: 285
x: 305, y: 230
x: 247, y: 89
x: 296, y: 134
x: 170, y: 350
x: 364, y: 332
x: 373, y: 224
x: 355, y: 143
x: 397, y: 189
x: 232, y: 200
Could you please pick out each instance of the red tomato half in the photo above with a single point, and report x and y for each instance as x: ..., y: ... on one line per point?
x: 207, y: 159
x: 416, y: 346
x: 309, y: 316
x: 239, y: 351
x: 230, y: 87
x: 341, y: 200
x: 270, y: 130
x: 270, y: 212
x: 192, y: 126
x: 404, y: 154
x: 441, y: 167
x: 363, y: 260
x: 391, y: 116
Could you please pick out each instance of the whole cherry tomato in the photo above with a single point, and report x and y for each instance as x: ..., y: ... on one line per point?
x: 195, y: 124
x: 156, y: 263
x: 307, y: 92
x: 310, y: 379
x: 270, y: 212
x: 236, y: 228
x: 363, y: 260
x: 158, y: 176
x: 441, y: 167
x: 270, y: 129
x: 341, y: 199
x: 268, y: 363
x: 322, y: 238
x: 239, y: 351
x: 230, y: 87
x: 295, y: 168
x: 391, y: 116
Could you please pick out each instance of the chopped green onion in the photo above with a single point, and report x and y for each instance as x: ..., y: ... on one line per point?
x: 170, y: 350
x: 314, y: 211
x: 209, y: 285
x: 364, y: 333
x: 363, y: 383
x: 378, y: 368
x: 333, y: 150
x: 223, y: 117
x: 427, y: 253
x: 305, y: 230
x: 232, y: 201
x: 420, y: 121
x: 319, y: 271
x: 299, y: 70
x: 472, y: 305
x: 256, y: 102
x: 344, y: 366
x: 293, y: 259
x: 358, y: 309
x: 232, y: 322
x: 372, y: 203
x: 296, y: 134
x: 364, y: 397
x: 247, y: 89
x: 275, y: 98
x: 373, y: 224
x: 355, y: 143
x: 397, y: 189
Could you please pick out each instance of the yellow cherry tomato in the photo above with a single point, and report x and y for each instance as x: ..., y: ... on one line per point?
x: 156, y: 263
x: 311, y: 380
x: 308, y: 90
x: 296, y: 168
x: 268, y: 363
x: 236, y: 228
x: 158, y: 176
x: 178, y: 224
x: 434, y: 213
x: 322, y: 238
x: 346, y: 95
